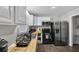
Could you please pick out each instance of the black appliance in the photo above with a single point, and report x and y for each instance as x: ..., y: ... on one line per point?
x: 61, y: 33
x: 48, y: 34
x: 52, y: 32
x: 3, y: 45
x: 46, y: 24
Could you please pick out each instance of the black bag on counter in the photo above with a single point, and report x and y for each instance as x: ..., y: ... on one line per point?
x: 23, y: 40
x: 3, y: 45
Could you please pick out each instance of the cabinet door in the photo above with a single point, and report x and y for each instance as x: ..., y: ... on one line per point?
x: 20, y: 15
x: 5, y: 14
x: 39, y: 20
x: 30, y: 20
x: 35, y: 21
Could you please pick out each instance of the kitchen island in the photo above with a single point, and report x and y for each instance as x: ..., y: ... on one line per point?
x: 30, y: 48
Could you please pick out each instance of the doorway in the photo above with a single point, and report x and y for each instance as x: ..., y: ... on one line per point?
x: 75, y: 22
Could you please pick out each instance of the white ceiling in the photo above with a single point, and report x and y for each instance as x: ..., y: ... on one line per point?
x: 49, y: 11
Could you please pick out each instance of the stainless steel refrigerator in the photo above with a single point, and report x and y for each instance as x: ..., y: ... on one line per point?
x: 61, y: 33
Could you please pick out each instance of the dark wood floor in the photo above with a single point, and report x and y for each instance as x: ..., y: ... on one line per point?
x: 53, y: 48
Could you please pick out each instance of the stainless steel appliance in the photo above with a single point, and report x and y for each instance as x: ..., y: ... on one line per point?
x: 61, y: 33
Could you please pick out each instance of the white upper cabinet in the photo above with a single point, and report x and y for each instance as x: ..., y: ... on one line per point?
x: 5, y: 15
x: 20, y: 15
x: 35, y: 21
x: 30, y: 20
x: 12, y: 15
x: 38, y: 20
x: 4, y: 12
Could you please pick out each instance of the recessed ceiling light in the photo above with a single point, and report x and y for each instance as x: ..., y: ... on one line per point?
x: 53, y: 7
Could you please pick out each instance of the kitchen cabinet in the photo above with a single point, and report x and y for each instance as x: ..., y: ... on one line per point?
x: 38, y: 20
x: 30, y: 21
x: 35, y: 21
x: 20, y: 15
x: 5, y: 15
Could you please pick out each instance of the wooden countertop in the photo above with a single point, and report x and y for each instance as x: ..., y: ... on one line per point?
x: 36, y: 33
x: 30, y: 48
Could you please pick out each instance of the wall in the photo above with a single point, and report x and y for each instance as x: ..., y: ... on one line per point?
x: 68, y: 17
x: 55, y: 18
x: 8, y: 32
x: 22, y: 29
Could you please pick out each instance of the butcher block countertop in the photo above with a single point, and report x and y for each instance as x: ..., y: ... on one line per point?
x: 30, y: 48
